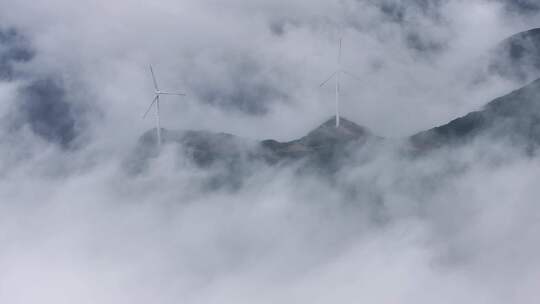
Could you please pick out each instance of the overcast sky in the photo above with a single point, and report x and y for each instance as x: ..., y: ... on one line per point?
x: 260, y: 63
x: 76, y: 228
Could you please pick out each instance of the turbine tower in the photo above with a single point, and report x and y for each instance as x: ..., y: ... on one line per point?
x: 158, y: 93
x: 337, y: 76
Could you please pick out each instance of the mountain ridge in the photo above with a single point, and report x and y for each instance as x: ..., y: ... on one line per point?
x: 514, y: 117
x: 518, y: 56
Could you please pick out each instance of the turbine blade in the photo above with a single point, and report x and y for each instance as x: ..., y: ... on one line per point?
x: 352, y: 75
x: 154, y: 78
x: 172, y: 93
x: 329, y: 78
x: 150, y: 107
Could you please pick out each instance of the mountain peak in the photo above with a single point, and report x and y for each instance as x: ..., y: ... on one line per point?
x: 324, y: 146
x: 347, y: 130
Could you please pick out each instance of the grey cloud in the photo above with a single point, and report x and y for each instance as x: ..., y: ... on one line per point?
x: 522, y: 6
x: 14, y: 48
x: 43, y: 106
x: 246, y: 86
x: 424, y: 45
x: 455, y: 225
x: 41, y: 103
x: 278, y: 27
x: 402, y: 11
x: 417, y: 23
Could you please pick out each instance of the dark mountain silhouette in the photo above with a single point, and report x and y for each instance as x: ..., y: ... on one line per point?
x: 324, y: 145
x: 203, y: 147
x: 514, y: 117
x: 518, y: 57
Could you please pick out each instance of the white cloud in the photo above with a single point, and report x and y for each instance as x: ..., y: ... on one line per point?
x: 454, y: 227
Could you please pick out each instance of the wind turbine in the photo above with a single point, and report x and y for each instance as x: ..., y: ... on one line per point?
x: 158, y: 93
x: 337, y: 76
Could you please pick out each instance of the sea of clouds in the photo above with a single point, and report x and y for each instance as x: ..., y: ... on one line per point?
x: 454, y: 226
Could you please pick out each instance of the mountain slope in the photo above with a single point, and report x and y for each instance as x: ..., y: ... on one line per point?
x: 323, y: 144
x: 514, y: 117
x: 518, y: 57
x: 323, y: 147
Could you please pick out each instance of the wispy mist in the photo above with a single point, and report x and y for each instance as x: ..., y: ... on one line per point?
x: 457, y: 224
